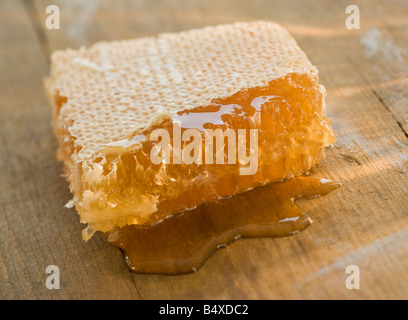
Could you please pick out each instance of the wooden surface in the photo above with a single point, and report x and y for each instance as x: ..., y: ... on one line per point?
x: 365, y: 223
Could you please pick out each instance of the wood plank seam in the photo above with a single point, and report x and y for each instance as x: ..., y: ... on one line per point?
x: 36, y: 24
x: 380, y: 99
x: 386, y: 107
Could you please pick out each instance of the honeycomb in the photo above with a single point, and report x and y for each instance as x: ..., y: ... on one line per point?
x: 109, y: 99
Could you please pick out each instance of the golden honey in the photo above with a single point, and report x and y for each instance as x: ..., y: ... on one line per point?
x: 182, y: 243
x: 120, y: 185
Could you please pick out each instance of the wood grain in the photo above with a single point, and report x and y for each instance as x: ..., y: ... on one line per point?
x: 35, y: 229
x: 364, y: 223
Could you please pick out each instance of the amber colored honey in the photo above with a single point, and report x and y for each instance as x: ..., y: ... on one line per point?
x: 292, y: 134
x: 182, y: 243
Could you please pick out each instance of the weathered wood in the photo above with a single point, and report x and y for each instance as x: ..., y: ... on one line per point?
x: 365, y: 223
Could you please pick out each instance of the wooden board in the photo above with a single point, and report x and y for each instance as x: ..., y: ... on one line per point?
x: 365, y: 223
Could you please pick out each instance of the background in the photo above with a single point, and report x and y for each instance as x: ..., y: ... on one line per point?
x: 364, y: 223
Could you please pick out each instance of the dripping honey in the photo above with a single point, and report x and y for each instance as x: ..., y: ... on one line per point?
x: 182, y: 243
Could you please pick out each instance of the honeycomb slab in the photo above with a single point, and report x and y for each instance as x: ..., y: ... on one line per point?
x: 109, y: 101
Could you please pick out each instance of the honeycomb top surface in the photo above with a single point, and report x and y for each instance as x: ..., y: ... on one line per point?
x: 114, y: 88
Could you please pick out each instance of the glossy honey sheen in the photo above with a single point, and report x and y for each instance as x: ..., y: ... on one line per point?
x: 121, y: 186
x: 182, y: 243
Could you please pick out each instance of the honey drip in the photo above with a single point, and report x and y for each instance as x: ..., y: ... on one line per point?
x: 183, y: 242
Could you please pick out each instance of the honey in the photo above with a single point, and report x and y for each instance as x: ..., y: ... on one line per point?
x: 182, y: 243
x: 120, y: 185
x: 179, y: 144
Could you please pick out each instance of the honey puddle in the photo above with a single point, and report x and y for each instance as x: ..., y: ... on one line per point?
x: 182, y: 243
